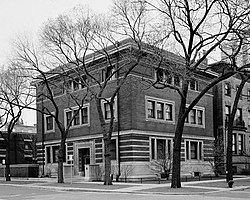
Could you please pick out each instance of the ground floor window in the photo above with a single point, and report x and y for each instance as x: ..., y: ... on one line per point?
x: 238, y: 143
x: 113, y: 149
x: 160, y: 148
x: 52, y: 154
x: 194, y: 150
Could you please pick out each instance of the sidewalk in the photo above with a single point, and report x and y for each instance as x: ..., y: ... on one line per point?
x: 188, y: 188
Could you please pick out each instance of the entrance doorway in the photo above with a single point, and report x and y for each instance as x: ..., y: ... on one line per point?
x: 84, y: 159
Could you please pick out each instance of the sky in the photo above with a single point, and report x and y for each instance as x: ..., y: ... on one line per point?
x: 19, y: 17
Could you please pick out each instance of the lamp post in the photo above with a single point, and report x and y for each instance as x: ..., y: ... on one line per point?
x: 43, y: 150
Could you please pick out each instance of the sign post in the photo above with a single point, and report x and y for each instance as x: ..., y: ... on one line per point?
x: 71, y: 167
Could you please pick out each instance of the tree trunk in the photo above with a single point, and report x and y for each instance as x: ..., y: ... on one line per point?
x: 7, y: 166
x: 107, y: 162
x: 60, y: 162
x: 176, y: 178
x: 176, y: 171
x: 229, y: 161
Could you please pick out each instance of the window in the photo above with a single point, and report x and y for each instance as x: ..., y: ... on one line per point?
x: 227, y: 89
x: 49, y: 123
x: 196, y: 117
x: 159, y: 109
x: 81, y: 117
x: 240, y: 143
x: 234, y: 143
x: 48, y: 160
x: 227, y: 113
x: 77, y: 118
x: 160, y: 148
x: 107, y: 111
x: 169, y: 112
x: 238, y: 116
x: 108, y: 73
x: 113, y: 149
x: 194, y: 150
x: 68, y: 117
x: 192, y: 116
x: 52, y: 154
x: 151, y: 109
x: 84, y: 115
x: 76, y: 84
x: 199, y: 117
x: 193, y: 85
x: 177, y: 81
x: 160, y: 75
x: 84, y: 81
x: 163, y: 76
x: 55, y: 151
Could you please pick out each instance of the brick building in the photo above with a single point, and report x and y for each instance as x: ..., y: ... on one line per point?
x: 224, y: 94
x: 145, y: 120
x: 22, y: 144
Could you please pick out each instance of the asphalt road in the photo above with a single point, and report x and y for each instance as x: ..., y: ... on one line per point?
x: 25, y: 193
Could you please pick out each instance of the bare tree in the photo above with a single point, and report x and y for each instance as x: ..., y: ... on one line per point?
x: 50, y: 84
x: 68, y: 39
x: 234, y: 49
x: 188, y: 25
x: 15, y: 96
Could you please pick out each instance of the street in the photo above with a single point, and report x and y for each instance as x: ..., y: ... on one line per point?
x: 22, y: 193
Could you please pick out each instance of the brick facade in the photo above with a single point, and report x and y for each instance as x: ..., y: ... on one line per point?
x: 134, y: 133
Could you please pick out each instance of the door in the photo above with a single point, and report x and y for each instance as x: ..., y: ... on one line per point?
x: 84, y: 159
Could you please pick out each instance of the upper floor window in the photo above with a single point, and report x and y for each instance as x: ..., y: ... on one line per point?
x: 76, y: 84
x: 177, y: 81
x: 49, y: 123
x: 193, y: 85
x: 107, y: 111
x: 81, y: 116
x: 159, y: 109
x: 227, y: 113
x: 196, y: 117
x: 240, y: 143
x: 163, y: 76
x: 108, y: 73
x: 194, y: 150
x: 234, y: 146
x: 227, y: 89
x: 239, y: 115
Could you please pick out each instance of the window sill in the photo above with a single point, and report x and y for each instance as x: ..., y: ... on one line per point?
x: 160, y: 120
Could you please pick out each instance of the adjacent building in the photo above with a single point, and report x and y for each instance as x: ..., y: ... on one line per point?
x: 22, y: 144
x: 224, y: 94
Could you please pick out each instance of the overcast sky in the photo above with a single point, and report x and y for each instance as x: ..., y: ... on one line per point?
x: 27, y: 16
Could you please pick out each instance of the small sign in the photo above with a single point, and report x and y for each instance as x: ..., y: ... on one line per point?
x: 3, y: 162
x: 70, y: 157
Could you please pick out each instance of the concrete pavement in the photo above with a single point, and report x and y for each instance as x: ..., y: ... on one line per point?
x: 188, y: 188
